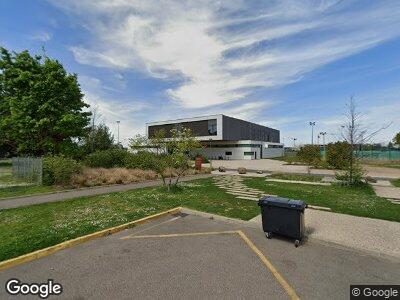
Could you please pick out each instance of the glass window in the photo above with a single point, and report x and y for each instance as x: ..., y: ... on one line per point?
x: 249, y: 153
x: 212, y: 127
x: 228, y: 152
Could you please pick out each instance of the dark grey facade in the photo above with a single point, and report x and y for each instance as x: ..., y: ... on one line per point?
x: 236, y: 129
x: 232, y: 129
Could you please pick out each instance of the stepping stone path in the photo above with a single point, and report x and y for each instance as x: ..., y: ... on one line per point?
x: 234, y: 185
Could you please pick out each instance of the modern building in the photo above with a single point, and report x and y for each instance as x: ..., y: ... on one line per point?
x: 224, y: 137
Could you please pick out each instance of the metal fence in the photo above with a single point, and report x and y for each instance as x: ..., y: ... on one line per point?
x: 392, y: 154
x: 27, y: 169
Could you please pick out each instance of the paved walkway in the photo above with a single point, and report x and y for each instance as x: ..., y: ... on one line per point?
x: 364, y: 234
x: 234, y: 185
x: 297, y: 181
x: 60, y: 196
x: 280, y: 166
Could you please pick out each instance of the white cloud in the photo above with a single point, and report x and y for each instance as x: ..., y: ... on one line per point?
x: 41, y: 36
x: 223, y: 51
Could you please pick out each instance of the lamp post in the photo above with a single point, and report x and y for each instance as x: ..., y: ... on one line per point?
x: 294, y: 142
x: 118, y: 131
x: 312, y: 124
x: 323, y: 133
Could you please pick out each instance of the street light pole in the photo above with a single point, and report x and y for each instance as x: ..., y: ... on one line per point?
x: 294, y: 142
x: 323, y: 141
x: 312, y: 124
x: 118, y: 132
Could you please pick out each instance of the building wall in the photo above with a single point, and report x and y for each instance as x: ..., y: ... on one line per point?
x: 237, y: 153
x: 235, y: 130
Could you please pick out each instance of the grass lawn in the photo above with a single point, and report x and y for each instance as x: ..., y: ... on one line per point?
x: 26, y: 229
x: 358, y: 201
x: 298, y: 177
x: 15, y: 191
x: 396, y: 182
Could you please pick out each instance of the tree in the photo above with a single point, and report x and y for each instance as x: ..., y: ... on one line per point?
x: 338, y: 154
x: 310, y: 154
x: 396, y: 139
x: 99, y: 138
x: 355, y: 134
x: 172, y: 155
x: 41, y: 107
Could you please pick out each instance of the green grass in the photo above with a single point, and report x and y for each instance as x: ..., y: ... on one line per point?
x: 396, y: 182
x: 15, y: 191
x: 26, y: 229
x: 358, y: 201
x: 297, y: 177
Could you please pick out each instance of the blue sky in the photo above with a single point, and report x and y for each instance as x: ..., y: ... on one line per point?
x: 279, y: 63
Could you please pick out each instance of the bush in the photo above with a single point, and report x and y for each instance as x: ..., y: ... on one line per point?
x: 58, y: 170
x: 102, y: 176
x: 310, y: 154
x: 142, y: 160
x: 338, y: 155
x: 111, y: 158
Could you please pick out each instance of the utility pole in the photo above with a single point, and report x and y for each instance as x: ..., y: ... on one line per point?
x: 312, y: 124
x: 118, y: 131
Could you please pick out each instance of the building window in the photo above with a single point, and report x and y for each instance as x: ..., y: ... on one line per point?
x: 212, y: 127
x: 249, y: 153
x: 228, y: 152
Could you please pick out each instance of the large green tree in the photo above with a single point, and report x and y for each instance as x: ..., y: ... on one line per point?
x: 41, y: 107
x: 396, y: 139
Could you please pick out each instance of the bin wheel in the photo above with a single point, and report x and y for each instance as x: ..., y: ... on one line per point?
x: 296, y: 243
x: 268, y: 235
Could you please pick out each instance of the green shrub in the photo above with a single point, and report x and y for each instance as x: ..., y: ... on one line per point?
x: 142, y: 160
x: 58, y: 170
x: 338, y: 155
x: 112, y: 158
x: 310, y: 154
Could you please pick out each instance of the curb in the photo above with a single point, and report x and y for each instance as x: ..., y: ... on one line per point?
x: 70, y: 243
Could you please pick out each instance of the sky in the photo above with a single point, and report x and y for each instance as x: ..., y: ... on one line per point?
x: 277, y: 63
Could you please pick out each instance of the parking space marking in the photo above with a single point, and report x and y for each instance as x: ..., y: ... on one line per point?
x: 286, y: 286
x: 288, y: 289
x: 177, y: 235
x: 151, y: 227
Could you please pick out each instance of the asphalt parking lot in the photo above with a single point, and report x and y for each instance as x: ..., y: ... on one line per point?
x: 190, y: 256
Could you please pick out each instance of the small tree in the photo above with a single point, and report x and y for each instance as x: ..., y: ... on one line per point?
x: 172, y: 154
x: 338, y: 155
x: 355, y: 134
x: 310, y: 154
x: 99, y: 138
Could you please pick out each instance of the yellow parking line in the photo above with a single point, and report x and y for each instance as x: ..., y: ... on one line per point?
x: 177, y: 235
x: 289, y: 290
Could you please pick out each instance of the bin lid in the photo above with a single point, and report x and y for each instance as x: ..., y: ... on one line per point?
x: 282, y: 202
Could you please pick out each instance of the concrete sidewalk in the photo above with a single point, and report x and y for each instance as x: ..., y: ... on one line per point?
x: 60, y: 196
x: 272, y: 165
x: 365, y: 234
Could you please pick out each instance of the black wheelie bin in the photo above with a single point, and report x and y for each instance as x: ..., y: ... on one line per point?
x: 283, y: 216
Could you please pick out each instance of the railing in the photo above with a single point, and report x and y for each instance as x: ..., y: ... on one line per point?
x: 27, y: 169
